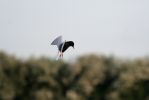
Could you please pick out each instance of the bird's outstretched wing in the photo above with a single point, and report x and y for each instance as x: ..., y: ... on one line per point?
x: 57, y: 41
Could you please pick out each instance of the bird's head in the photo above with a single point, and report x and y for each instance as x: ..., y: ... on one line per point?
x: 71, y: 43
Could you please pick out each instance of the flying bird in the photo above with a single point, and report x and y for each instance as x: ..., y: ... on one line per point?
x: 62, y: 45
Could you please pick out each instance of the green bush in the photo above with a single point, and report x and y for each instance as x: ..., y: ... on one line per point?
x: 91, y: 77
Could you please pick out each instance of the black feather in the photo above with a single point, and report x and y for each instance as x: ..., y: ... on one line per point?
x: 66, y: 46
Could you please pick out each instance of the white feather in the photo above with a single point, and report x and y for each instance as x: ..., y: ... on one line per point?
x: 57, y: 41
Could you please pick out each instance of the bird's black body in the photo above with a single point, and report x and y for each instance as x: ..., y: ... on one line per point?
x: 66, y: 46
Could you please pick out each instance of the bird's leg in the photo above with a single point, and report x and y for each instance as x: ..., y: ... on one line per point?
x: 62, y: 54
x: 57, y: 53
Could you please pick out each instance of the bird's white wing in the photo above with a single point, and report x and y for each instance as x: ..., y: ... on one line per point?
x: 57, y: 41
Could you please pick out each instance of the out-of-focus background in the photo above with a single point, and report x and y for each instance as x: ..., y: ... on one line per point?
x: 110, y: 60
x: 120, y: 27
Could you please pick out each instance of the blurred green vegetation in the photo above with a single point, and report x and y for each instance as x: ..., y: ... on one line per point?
x: 90, y: 77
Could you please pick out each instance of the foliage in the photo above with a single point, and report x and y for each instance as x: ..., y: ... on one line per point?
x: 91, y: 77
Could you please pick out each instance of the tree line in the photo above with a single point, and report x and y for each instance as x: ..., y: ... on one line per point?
x: 90, y: 77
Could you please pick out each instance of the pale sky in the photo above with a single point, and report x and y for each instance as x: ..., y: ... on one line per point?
x: 119, y: 27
